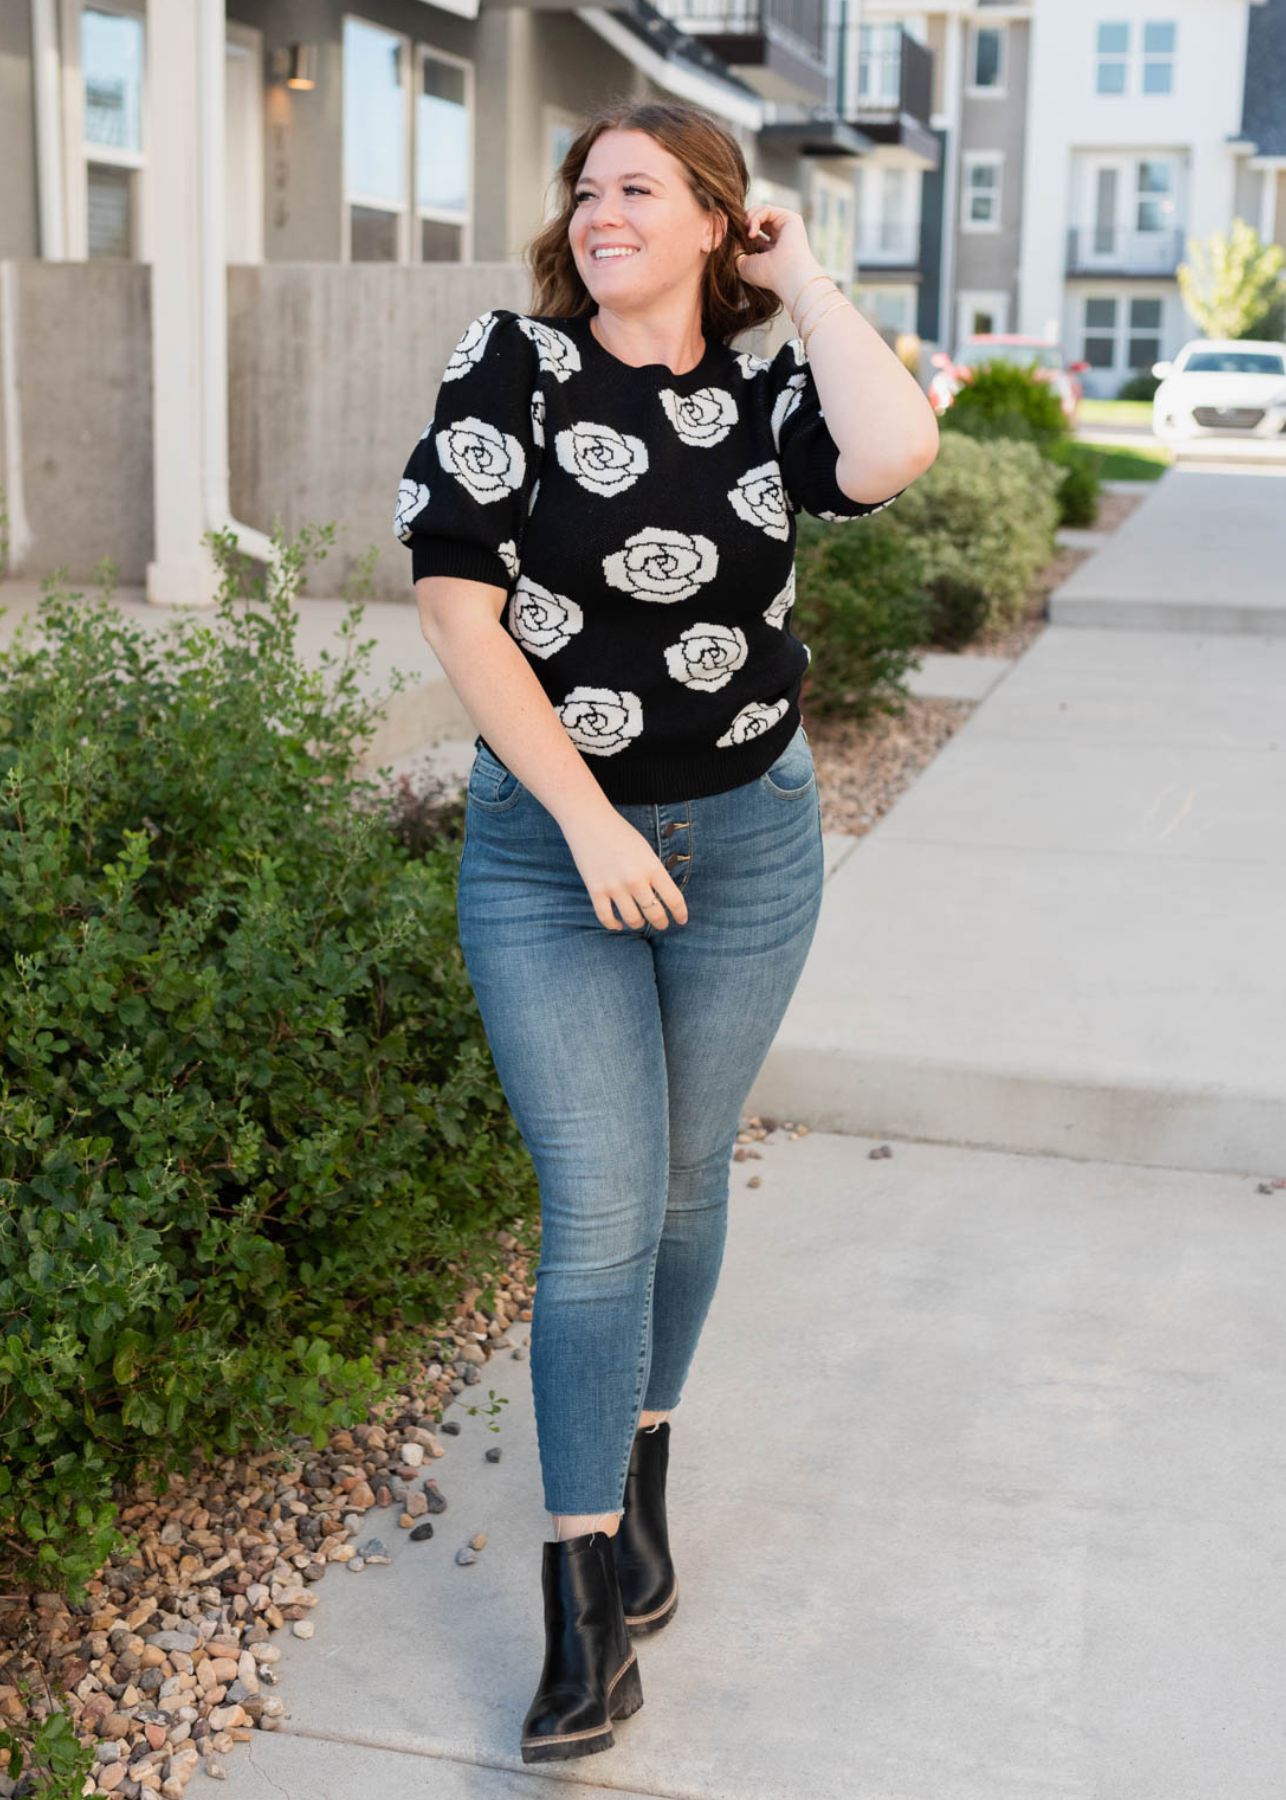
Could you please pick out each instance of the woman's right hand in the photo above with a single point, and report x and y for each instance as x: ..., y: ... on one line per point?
x: 619, y: 867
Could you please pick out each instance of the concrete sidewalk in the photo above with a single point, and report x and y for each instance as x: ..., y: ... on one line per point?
x: 1067, y: 936
x: 1206, y: 551
x: 975, y: 1495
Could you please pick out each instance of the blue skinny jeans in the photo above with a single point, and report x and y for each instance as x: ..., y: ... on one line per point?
x: 626, y: 1058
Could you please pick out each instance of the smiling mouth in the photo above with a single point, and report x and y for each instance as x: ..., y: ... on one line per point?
x: 613, y: 256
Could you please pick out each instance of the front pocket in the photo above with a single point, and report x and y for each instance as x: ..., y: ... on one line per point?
x: 492, y: 787
x: 793, y: 774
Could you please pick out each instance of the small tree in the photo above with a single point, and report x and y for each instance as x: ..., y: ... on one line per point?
x: 1232, y: 285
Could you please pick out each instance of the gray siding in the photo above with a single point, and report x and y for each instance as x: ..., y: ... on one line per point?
x: 989, y: 259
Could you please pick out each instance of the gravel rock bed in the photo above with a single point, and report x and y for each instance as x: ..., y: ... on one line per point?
x: 169, y: 1662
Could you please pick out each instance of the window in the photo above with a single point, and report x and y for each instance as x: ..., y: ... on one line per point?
x: 879, y: 65
x: 1113, y: 52
x: 987, y: 60
x: 1145, y: 318
x: 112, y: 60
x: 1116, y: 49
x: 1122, y: 333
x: 376, y: 143
x: 1158, y: 58
x: 980, y: 191
x: 892, y: 308
x: 443, y: 157
x: 1153, y: 203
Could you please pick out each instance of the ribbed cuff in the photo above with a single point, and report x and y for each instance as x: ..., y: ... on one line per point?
x: 451, y: 556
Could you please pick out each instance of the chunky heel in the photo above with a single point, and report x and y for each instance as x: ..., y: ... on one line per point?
x: 627, y: 1691
x: 591, y: 1673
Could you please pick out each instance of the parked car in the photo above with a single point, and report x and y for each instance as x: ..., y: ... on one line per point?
x: 1221, y: 387
x: 1007, y: 347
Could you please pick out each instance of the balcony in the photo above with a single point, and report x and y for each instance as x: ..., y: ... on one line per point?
x: 888, y: 243
x: 895, y: 91
x: 778, y: 47
x: 1124, y: 250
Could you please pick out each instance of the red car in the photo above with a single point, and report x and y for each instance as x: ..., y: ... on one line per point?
x: 1006, y: 346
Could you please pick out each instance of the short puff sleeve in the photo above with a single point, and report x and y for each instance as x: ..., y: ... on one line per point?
x: 806, y: 452
x: 469, y: 483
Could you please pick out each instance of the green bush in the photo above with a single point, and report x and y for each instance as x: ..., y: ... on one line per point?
x: 1082, y: 483
x: 1142, y: 385
x: 984, y: 515
x: 1006, y: 400
x: 957, y: 611
x: 1003, y: 400
x: 248, y: 1115
x: 859, y: 598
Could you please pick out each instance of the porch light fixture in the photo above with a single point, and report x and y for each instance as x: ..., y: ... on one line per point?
x: 296, y: 65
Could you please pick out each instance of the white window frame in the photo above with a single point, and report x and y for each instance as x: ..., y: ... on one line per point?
x: 405, y: 211
x: 837, y: 235
x: 556, y: 123
x: 444, y: 215
x: 78, y: 155
x: 1136, y: 58
x: 1000, y: 89
x: 976, y: 159
x: 1120, y: 332
x: 995, y: 300
x: 906, y: 293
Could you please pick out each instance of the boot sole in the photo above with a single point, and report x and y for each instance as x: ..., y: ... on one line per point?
x: 641, y: 1624
x: 624, y: 1696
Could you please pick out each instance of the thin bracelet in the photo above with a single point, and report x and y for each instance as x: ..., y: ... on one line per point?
x: 842, y: 301
x: 811, y: 279
x: 815, y: 300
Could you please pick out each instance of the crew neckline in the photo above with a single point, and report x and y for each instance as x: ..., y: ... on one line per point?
x: 699, y: 370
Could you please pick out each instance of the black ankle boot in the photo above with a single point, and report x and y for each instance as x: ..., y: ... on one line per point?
x: 649, y: 1590
x: 591, y: 1674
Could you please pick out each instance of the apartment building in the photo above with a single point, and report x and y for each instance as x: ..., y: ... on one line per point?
x: 961, y: 218
x: 1135, y: 114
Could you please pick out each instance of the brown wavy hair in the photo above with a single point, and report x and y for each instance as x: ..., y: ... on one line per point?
x: 718, y: 178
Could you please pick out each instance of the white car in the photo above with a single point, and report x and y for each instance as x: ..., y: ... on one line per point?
x: 1222, y: 387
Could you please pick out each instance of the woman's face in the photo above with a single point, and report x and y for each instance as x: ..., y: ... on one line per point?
x: 633, y: 193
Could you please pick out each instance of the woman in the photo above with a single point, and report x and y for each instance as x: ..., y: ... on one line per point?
x: 642, y: 870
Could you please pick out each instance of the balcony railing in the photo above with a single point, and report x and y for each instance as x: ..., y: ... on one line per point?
x: 894, y: 72
x: 804, y: 20
x: 1121, y: 249
x: 889, y: 241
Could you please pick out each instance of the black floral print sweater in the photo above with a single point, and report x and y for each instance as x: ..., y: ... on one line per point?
x: 643, y: 524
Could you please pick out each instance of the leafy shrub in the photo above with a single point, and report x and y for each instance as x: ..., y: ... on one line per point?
x: 1005, y: 400
x: 1142, y: 385
x: 247, y: 1108
x: 956, y: 612
x: 984, y: 515
x: 1081, y: 485
x: 858, y: 596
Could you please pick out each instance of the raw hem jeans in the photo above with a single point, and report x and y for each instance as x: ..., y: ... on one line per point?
x: 626, y: 1057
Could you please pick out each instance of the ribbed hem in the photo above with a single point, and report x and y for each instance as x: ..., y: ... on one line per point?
x: 671, y: 780
x: 450, y: 556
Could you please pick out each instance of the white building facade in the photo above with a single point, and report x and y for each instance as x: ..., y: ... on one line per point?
x: 1133, y: 120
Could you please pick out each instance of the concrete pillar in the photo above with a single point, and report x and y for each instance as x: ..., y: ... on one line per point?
x: 182, y: 572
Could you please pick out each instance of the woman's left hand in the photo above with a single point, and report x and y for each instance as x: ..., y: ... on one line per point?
x: 785, y: 258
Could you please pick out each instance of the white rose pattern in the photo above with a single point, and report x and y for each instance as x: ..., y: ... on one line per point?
x: 752, y: 721
x: 412, y: 498
x: 600, y: 458
x: 655, y: 564
x: 662, y: 565
x: 775, y: 614
x: 543, y: 622
x: 707, y: 656
x: 488, y: 462
x: 703, y: 418
x: 760, y: 499
x: 601, y: 721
